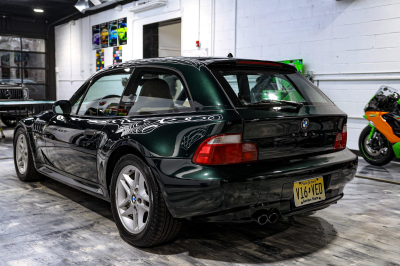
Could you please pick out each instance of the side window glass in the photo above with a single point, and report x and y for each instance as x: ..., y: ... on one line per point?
x: 77, y: 98
x: 75, y: 106
x: 158, y: 91
x: 103, y: 96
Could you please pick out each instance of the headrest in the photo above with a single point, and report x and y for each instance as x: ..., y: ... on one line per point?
x: 156, y: 88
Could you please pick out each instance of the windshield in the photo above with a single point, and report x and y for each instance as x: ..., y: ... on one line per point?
x: 385, y: 99
x: 257, y: 86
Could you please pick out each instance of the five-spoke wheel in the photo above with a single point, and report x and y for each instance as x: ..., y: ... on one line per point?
x: 138, y: 206
x: 23, y: 159
x: 132, y: 199
x: 21, y: 154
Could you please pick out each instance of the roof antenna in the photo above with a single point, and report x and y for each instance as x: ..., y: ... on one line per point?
x: 230, y: 55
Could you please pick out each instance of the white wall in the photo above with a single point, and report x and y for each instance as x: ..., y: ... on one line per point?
x: 352, y: 46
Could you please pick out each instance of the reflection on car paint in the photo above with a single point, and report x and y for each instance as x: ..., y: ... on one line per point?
x: 146, y: 126
x: 193, y: 136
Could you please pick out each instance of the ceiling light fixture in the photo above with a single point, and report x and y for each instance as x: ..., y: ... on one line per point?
x: 82, y: 5
x: 38, y: 10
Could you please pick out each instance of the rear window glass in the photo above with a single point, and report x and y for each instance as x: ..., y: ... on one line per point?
x: 255, y: 86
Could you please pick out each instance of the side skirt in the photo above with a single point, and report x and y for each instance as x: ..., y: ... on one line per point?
x: 75, y: 182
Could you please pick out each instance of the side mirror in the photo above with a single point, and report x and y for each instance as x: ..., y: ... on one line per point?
x: 62, y: 107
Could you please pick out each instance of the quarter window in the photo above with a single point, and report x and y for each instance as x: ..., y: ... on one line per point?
x: 103, y: 96
x: 156, y: 91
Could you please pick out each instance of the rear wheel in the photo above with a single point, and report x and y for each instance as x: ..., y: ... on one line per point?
x: 23, y: 159
x: 138, y: 206
x: 377, y: 150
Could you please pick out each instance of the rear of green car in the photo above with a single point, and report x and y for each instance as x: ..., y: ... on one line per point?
x: 287, y: 154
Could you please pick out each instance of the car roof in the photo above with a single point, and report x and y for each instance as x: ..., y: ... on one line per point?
x: 198, y: 62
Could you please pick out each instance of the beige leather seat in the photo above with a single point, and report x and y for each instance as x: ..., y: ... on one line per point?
x: 154, y: 96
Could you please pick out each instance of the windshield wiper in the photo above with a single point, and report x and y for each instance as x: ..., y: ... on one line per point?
x: 292, y: 103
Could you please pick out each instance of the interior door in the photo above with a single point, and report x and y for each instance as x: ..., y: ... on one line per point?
x: 72, y: 141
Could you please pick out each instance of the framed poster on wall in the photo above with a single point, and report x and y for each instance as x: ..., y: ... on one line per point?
x: 117, y: 55
x: 112, y: 33
x: 104, y: 35
x: 122, y: 31
x: 99, y: 59
x: 95, y: 37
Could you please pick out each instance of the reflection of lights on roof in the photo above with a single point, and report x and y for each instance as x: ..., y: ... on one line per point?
x: 127, y: 69
x: 272, y: 96
x: 38, y: 10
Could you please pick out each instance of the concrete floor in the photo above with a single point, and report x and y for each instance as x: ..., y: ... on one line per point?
x: 48, y: 223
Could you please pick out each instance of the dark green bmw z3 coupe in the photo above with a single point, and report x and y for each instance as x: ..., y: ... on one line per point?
x: 201, y: 139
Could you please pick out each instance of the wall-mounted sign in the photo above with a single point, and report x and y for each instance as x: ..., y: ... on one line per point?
x: 104, y: 35
x: 110, y: 34
x: 117, y: 55
x: 99, y: 59
x: 122, y: 31
x: 95, y: 37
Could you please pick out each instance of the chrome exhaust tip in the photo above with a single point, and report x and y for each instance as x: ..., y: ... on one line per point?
x: 262, y: 219
x: 273, y: 217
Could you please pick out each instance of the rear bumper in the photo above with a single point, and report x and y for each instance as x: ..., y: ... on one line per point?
x: 233, y: 193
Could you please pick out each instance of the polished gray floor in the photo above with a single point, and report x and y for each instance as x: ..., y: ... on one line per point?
x: 48, y: 223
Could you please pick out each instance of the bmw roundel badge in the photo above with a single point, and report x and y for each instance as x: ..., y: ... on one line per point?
x: 305, y: 123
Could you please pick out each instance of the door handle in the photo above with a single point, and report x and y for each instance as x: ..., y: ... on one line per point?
x: 90, y: 132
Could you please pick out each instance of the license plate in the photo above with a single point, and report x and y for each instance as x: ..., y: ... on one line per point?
x: 308, y: 191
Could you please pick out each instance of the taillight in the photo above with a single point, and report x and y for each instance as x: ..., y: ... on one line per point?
x: 341, y: 139
x: 225, y: 149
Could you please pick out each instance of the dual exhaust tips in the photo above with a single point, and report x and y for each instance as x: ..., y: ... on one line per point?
x: 262, y: 217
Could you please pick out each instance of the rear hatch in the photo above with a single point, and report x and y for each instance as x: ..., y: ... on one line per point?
x: 285, y: 114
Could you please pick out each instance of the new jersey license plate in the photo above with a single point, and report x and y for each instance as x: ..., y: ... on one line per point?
x: 308, y: 191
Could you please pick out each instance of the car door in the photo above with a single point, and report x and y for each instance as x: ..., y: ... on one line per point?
x: 72, y: 141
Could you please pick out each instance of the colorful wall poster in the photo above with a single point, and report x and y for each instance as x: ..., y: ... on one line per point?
x: 117, y: 55
x: 95, y: 37
x: 112, y: 33
x: 122, y: 31
x: 104, y: 35
x: 99, y: 59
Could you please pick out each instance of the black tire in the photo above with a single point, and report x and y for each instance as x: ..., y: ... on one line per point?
x: 9, y: 121
x: 30, y: 174
x: 380, y: 159
x: 161, y: 226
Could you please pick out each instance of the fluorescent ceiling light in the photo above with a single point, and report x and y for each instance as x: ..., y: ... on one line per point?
x: 82, y: 4
x: 38, y: 10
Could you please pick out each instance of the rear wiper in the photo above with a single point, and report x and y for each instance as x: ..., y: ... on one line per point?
x: 292, y: 103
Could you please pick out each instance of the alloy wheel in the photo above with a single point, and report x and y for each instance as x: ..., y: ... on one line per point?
x: 22, y: 154
x: 132, y: 199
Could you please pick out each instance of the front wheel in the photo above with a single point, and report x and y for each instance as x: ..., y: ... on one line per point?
x: 138, y: 206
x: 23, y: 159
x: 377, y: 150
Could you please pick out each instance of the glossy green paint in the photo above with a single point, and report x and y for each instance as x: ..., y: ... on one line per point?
x: 305, y: 111
x: 396, y: 149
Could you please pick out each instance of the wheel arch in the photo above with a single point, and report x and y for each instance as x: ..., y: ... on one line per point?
x: 116, y: 154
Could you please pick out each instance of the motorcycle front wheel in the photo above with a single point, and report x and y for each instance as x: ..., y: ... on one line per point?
x: 377, y: 150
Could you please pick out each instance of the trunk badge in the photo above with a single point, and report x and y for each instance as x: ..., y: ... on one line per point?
x: 305, y: 123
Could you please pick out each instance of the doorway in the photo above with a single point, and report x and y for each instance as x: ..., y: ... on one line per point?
x: 162, y: 39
